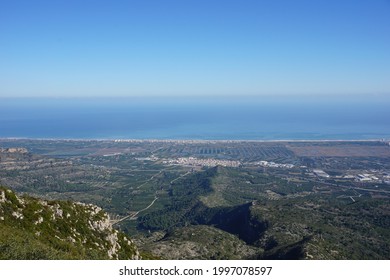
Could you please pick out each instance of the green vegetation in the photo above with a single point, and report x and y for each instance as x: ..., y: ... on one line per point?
x: 285, y: 226
x: 183, y: 205
x: 31, y: 228
x: 189, y: 211
x: 201, y: 242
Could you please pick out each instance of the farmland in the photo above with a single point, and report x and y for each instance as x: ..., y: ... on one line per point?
x: 284, y: 199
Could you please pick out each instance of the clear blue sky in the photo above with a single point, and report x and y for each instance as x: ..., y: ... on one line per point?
x: 194, y: 47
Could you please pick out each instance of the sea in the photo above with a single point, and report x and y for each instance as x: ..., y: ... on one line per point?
x: 198, y: 118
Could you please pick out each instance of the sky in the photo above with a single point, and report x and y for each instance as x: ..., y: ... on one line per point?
x: 98, y: 48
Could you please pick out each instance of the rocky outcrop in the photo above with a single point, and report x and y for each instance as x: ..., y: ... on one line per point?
x: 63, y: 224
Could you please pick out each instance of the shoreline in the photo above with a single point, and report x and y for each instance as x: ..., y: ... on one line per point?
x: 155, y: 140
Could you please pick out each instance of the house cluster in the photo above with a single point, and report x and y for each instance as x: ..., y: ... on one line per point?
x: 273, y: 164
x: 209, y: 162
x: 320, y: 173
x: 365, y: 177
x: 14, y: 150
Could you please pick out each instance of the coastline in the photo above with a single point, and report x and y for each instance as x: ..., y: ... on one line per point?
x: 151, y: 140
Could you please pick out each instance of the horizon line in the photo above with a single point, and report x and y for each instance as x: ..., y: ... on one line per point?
x: 205, y: 95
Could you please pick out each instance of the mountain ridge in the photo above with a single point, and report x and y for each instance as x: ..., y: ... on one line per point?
x: 33, y: 228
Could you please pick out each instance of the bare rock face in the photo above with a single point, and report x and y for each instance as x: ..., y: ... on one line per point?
x: 57, y: 211
x: 114, y: 246
x: 2, y: 196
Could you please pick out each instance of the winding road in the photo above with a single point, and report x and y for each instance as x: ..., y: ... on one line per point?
x: 134, y: 215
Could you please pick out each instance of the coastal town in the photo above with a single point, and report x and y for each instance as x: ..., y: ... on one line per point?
x: 159, y: 185
x: 209, y: 162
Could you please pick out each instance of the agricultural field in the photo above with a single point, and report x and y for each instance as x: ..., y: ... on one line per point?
x: 253, y: 200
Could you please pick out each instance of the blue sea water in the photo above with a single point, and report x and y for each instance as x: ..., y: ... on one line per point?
x: 195, y: 118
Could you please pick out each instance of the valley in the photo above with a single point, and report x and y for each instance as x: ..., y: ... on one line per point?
x: 188, y: 199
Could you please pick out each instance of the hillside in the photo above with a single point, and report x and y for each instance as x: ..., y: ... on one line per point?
x: 32, y: 228
x: 282, y: 207
x: 197, y: 243
x: 293, y: 223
